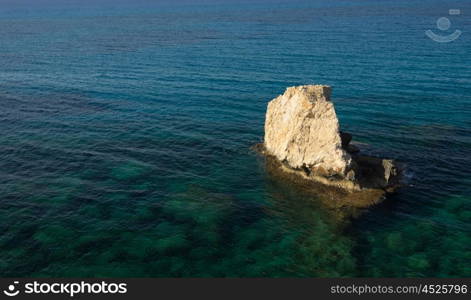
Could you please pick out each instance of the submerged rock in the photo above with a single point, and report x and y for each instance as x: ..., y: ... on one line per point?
x: 303, y: 134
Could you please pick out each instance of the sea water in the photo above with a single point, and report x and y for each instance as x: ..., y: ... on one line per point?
x: 126, y: 127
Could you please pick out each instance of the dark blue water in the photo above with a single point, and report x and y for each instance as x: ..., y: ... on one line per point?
x: 126, y: 129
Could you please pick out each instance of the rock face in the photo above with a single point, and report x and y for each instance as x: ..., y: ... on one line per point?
x: 303, y: 133
x: 302, y: 129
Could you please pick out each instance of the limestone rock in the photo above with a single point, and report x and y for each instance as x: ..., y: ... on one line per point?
x: 302, y: 129
x: 303, y: 133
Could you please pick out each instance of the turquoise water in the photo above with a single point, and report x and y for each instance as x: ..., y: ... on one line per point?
x: 126, y: 129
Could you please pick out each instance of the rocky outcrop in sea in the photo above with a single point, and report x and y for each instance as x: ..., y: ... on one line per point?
x: 304, y: 141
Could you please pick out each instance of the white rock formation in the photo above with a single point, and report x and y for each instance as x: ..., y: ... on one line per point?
x: 302, y: 130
